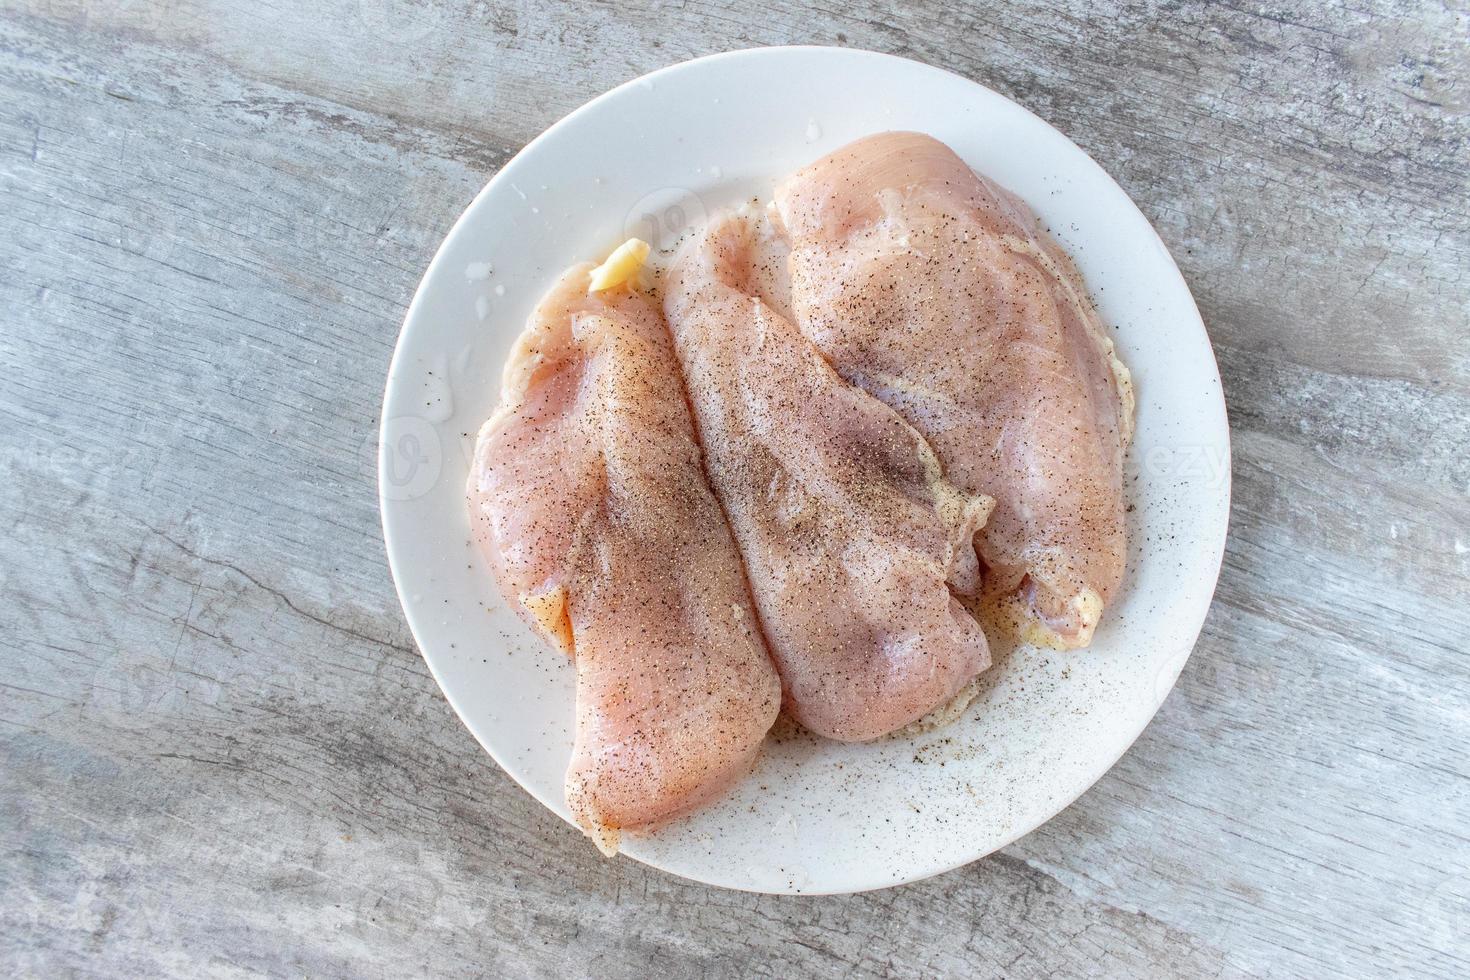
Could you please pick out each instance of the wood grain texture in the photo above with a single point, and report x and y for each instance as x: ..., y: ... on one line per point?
x: 220, y: 753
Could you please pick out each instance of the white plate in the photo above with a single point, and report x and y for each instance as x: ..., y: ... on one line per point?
x: 651, y: 157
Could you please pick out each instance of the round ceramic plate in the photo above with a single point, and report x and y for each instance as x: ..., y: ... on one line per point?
x: 652, y: 158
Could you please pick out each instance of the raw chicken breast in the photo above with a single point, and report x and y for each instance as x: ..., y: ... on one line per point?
x: 849, y: 533
x: 588, y: 497
x: 933, y: 289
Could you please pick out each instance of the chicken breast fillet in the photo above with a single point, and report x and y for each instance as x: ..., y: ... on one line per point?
x: 850, y: 534
x: 588, y: 497
x: 933, y: 289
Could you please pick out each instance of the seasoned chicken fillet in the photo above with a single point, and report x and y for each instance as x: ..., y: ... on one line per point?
x: 851, y: 536
x: 588, y: 497
x: 932, y: 288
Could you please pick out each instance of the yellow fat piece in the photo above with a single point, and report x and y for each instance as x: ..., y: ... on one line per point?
x: 621, y: 266
x: 550, y: 611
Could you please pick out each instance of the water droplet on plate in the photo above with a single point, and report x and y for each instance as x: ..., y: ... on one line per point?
x: 813, y: 131
x: 500, y: 289
x: 462, y: 360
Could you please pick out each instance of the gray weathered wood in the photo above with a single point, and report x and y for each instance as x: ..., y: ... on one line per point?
x: 219, y: 751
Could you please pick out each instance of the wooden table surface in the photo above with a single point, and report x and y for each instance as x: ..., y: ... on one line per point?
x: 222, y: 755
